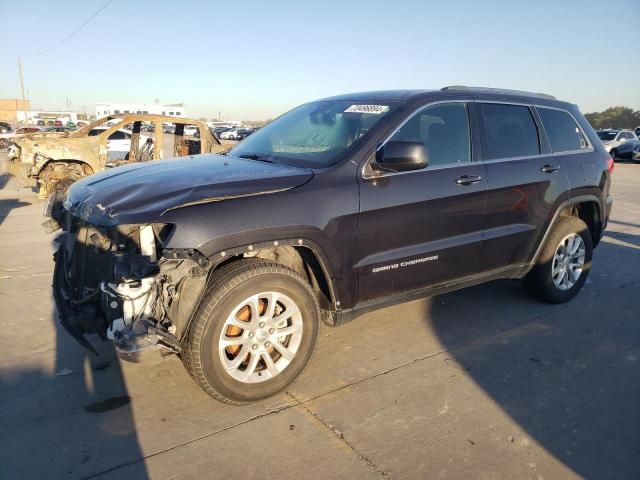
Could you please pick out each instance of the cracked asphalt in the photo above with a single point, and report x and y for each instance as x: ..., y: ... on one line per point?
x: 479, y: 383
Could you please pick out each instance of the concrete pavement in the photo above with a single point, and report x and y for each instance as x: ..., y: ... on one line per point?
x: 480, y: 383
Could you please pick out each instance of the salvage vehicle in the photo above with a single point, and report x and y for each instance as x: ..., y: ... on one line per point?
x: 335, y: 208
x: 55, y: 162
x: 12, y: 135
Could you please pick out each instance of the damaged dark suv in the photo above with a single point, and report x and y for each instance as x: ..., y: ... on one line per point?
x: 337, y: 207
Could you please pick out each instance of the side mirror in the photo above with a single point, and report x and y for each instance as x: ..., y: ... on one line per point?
x: 402, y: 156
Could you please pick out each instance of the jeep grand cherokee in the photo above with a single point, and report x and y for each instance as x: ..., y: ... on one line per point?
x: 337, y: 207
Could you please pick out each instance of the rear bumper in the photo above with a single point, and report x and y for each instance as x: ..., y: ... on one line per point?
x: 607, y: 210
x: 607, y: 215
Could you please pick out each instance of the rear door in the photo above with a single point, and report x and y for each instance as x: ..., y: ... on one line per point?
x: 424, y: 227
x: 525, y: 182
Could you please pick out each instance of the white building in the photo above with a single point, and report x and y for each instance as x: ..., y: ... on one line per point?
x: 32, y: 116
x: 172, y: 110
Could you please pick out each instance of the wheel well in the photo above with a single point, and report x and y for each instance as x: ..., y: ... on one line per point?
x: 62, y: 166
x: 303, y: 260
x: 589, y: 213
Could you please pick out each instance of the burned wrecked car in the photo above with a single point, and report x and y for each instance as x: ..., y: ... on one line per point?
x: 335, y: 208
x: 54, y: 162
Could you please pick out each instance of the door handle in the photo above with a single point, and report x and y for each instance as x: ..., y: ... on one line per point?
x: 550, y: 168
x: 468, y: 179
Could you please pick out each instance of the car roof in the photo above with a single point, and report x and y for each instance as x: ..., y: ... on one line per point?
x: 450, y: 92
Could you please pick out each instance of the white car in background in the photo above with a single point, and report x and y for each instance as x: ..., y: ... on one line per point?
x: 229, y: 134
x: 119, y: 142
x: 191, y: 131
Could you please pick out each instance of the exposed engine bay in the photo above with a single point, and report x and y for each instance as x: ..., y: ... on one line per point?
x: 119, y: 283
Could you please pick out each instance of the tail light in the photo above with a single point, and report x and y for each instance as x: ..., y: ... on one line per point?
x: 610, y: 164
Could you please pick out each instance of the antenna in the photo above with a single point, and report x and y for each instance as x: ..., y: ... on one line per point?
x: 22, y: 89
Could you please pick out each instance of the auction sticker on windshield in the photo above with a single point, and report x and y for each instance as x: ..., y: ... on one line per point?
x: 375, y: 109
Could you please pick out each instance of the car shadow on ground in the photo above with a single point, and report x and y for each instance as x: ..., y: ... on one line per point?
x: 4, y: 178
x: 86, y: 399
x: 9, y: 204
x: 74, y: 422
x: 567, y: 379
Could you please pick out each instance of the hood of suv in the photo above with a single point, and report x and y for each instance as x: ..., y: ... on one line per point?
x: 142, y: 192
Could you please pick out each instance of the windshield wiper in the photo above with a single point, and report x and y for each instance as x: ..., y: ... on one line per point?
x: 256, y: 156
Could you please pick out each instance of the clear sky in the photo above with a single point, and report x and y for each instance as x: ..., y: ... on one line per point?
x: 256, y: 59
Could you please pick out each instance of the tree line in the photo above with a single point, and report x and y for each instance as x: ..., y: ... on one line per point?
x: 615, y: 117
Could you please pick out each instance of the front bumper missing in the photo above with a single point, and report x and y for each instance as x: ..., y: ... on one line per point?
x: 96, y: 314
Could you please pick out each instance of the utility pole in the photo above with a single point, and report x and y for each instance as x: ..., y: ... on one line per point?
x: 22, y: 88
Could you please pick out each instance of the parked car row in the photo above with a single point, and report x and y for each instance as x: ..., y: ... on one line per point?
x: 621, y: 143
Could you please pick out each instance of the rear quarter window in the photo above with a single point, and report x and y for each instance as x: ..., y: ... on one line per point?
x: 563, y: 132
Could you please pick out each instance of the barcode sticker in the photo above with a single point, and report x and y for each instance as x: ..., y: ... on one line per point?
x: 373, y: 109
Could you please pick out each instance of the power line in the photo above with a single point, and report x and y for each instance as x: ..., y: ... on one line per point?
x: 72, y: 33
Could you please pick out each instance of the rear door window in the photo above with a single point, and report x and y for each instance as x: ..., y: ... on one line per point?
x: 510, y: 131
x: 563, y: 132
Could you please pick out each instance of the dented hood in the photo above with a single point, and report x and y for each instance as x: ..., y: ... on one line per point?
x: 142, y: 192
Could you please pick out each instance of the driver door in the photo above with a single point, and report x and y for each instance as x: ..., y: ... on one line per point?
x: 424, y: 227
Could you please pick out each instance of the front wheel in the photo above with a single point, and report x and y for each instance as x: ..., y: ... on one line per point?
x: 253, y: 333
x: 564, y: 262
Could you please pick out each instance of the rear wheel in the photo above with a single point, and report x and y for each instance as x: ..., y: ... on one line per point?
x: 564, y: 262
x: 253, y: 333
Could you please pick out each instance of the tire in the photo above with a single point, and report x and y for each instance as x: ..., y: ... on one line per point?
x: 231, y: 287
x: 540, y: 281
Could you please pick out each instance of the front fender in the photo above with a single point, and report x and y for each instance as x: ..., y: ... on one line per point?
x: 222, y: 248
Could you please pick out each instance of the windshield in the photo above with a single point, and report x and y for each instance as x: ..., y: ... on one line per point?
x: 312, y: 135
x: 607, y: 135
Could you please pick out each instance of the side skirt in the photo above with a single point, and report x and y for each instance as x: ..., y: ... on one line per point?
x: 512, y: 271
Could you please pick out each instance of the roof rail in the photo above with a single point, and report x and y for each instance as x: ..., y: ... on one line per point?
x: 499, y: 90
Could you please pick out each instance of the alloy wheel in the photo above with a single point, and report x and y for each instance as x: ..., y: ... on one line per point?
x: 568, y: 261
x: 260, y: 337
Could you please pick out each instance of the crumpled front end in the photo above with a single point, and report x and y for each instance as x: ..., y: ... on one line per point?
x: 116, y: 283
